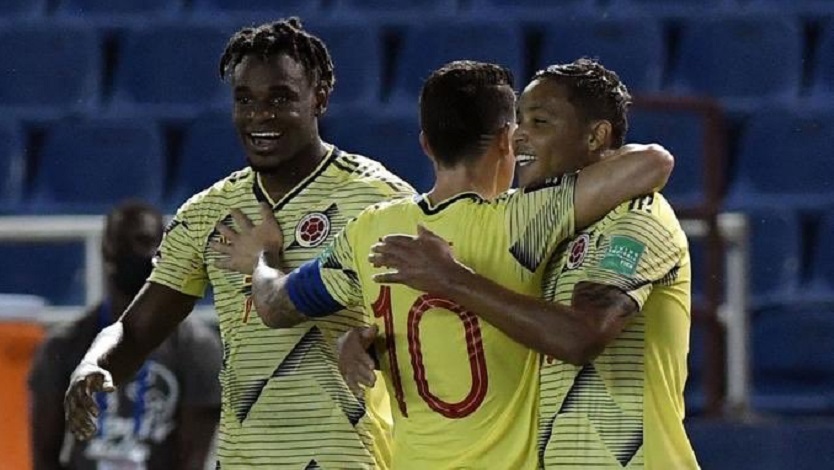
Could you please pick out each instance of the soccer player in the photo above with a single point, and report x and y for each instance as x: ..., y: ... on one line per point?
x: 615, y: 320
x: 284, y: 404
x: 464, y: 394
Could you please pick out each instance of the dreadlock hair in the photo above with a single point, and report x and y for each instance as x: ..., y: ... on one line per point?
x: 285, y: 36
x: 596, y: 92
x: 462, y: 106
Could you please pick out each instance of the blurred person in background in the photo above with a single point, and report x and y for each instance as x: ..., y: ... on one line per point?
x: 165, y: 416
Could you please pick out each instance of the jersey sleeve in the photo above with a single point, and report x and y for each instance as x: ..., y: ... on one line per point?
x: 330, y: 282
x: 637, y: 249
x: 539, y: 218
x: 179, y: 263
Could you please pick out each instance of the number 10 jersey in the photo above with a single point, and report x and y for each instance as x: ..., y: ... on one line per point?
x: 463, y: 394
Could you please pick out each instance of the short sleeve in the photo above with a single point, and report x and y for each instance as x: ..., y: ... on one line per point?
x: 179, y: 262
x: 635, y: 251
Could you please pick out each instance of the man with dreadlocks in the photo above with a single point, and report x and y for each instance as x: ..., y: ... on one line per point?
x: 284, y: 404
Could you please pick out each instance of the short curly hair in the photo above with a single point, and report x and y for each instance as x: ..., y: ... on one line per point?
x: 596, y: 92
x: 285, y: 36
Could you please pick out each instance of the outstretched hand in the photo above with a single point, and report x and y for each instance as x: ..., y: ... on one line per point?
x: 80, y: 408
x: 424, y: 262
x: 242, y: 248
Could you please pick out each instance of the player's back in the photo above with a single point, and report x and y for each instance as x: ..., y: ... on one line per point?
x: 464, y: 394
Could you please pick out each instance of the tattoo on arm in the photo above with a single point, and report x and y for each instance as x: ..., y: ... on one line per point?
x: 592, y: 296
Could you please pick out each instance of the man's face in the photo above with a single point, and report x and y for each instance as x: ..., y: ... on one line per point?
x: 552, y: 138
x: 274, y: 110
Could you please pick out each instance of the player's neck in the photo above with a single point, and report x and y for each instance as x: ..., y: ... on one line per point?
x: 478, y: 179
x: 279, y: 181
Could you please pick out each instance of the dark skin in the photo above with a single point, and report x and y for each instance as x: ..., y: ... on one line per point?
x: 275, y: 99
x: 554, y: 131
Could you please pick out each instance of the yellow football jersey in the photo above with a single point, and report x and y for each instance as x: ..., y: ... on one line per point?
x: 284, y: 402
x: 624, y: 409
x: 464, y: 395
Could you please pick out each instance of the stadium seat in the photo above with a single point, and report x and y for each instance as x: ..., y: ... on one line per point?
x: 823, y: 79
x: 211, y: 150
x: 153, y: 76
x: 715, y: 59
x: 792, y: 368
x: 57, y: 74
x: 633, y: 48
x: 392, y: 139
x: 90, y: 166
x: 775, y: 254
x: 784, y: 159
x: 18, y: 9
x: 528, y: 9
x: 256, y: 11
x: 54, y: 271
x: 117, y: 11
x: 357, y: 61
x: 12, y: 166
x: 678, y: 8
x: 822, y: 264
x: 427, y: 46
x: 682, y: 132
x: 392, y: 9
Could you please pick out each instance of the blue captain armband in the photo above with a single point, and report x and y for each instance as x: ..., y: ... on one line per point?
x: 307, y: 291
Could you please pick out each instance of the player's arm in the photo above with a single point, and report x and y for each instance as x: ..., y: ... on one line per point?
x: 631, y: 171
x: 120, y: 349
x: 270, y: 293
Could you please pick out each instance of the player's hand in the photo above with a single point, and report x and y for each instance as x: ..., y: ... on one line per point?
x: 424, y: 262
x: 242, y: 248
x: 355, y: 364
x: 80, y: 409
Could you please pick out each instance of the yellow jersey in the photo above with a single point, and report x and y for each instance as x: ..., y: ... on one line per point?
x: 625, y: 409
x: 284, y: 403
x: 463, y: 394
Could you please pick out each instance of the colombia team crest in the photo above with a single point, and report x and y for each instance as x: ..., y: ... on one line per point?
x: 577, y: 251
x: 312, y: 229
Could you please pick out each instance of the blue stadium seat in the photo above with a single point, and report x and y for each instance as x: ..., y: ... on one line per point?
x: 792, y: 367
x: 54, y: 271
x: 823, y: 80
x: 822, y: 264
x: 211, y: 150
x: 784, y: 159
x: 715, y: 59
x: 678, y: 8
x: 775, y: 254
x: 682, y: 132
x: 369, y: 9
x: 117, y: 11
x: 154, y: 76
x: 19, y: 9
x: 90, y: 166
x: 633, y: 48
x: 57, y: 74
x: 392, y: 139
x: 357, y: 61
x: 12, y: 166
x: 528, y: 9
x: 790, y: 6
x: 427, y: 46
x: 256, y: 11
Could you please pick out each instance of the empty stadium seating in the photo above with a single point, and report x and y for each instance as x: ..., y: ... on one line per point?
x: 117, y: 12
x: 357, y: 62
x: 822, y: 264
x: 12, y: 166
x: 392, y: 139
x: 742, y: 60
x: 21, y: 9
x: 255, y: 10
x: 775, y: 254
x: 823, y: 81
x: 784, y: 159
x: 59, y: 72
x: 54, y: 271
x: 633, y: 48
x: 427, y: 46
x: 89, y: 166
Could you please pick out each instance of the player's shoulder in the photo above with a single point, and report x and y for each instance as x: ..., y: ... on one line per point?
x: 388, y: 208
x: 650, y: 210
x: 217, y: 198
x: 362, y: 172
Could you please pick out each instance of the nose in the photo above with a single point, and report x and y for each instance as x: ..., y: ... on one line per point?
x: 261, y: 112
x: 520, y: 135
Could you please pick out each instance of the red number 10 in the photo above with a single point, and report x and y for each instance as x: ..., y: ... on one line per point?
x: 474, y: 349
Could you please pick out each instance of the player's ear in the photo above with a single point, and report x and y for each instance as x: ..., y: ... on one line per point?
x: 599, y: 137
x: 505, y: 138
x: 424, y: 143
x: 322, y: 99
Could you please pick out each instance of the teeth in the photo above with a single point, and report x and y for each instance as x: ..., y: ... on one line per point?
x: 524, y: 159
x: 265, y: 135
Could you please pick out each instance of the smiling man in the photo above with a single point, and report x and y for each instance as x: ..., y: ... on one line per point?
x: 284, y: 404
